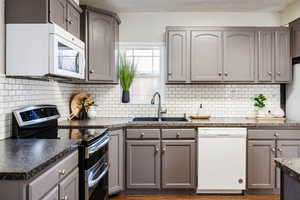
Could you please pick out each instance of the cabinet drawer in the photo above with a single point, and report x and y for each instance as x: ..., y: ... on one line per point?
x: 42, y: 184
x: 262, y: 134
x: 288, y: 134
x: 178, y: 133
x: 274, y: 134
x: 143, y: 133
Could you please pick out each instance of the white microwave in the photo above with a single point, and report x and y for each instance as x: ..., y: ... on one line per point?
x: 37, y: 50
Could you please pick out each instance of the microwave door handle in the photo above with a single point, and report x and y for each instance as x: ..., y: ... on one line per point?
x: 92, y: 182
x: 82, y: 63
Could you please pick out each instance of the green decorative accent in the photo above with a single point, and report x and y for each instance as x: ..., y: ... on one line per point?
x: 127, y: 72
x: 260, y: 101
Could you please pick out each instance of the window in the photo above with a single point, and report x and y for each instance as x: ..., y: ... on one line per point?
x: 149, y: 78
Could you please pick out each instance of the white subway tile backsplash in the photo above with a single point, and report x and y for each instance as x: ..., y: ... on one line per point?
x: 217, y: 100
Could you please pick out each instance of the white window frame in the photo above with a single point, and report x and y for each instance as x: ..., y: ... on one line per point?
x: 161, y: 47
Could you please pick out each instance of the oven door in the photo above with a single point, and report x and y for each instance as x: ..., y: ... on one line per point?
x: 67, y: 58
x: 97, y: 180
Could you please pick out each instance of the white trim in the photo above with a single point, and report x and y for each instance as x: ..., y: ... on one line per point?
x: 161, y: 47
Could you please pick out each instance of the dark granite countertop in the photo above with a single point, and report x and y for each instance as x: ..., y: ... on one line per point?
x: 115, y: 123
x: 22, y: 159
x: 290, y: 163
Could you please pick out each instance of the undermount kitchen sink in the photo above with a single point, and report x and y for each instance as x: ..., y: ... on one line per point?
x: 163, y: 119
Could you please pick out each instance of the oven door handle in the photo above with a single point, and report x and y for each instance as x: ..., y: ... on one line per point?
x: 92, y: 182
x: 98, y: 145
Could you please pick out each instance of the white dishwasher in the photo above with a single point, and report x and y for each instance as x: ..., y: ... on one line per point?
x: 222, y: 160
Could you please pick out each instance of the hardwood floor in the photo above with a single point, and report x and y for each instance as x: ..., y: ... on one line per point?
x: 195, y: 197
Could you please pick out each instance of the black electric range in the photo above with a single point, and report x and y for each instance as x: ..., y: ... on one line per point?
x: 40, y: 121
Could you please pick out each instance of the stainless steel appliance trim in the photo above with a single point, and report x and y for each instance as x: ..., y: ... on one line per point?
x: 97, y: 145
x: 20, y: 121
x: 91, y: 182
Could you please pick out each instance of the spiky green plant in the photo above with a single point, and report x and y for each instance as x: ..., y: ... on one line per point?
x: 260, y: 101
x: 127, y: 72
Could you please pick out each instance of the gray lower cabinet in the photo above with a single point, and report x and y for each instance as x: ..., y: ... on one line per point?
x: 178, y: 164
x: 100, y: 33
x: 206, y: 56
x: 116, y: 161
x: 283, y: 65
x: 287, y: 149
x: 261, y: 167
x: 68, y: 188
x: 52, y: 195
x: 143, y: 164
x: 239, y: 56
x: 177, y: 56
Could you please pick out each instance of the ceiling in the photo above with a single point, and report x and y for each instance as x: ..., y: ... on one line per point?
x: 190, y: 5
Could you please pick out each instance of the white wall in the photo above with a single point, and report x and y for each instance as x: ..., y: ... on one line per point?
x: 291, y: 13
x: 2, y: 38
x: 150, y: 27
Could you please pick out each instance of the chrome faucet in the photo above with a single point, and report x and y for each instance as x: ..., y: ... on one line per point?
x: 159, y: 110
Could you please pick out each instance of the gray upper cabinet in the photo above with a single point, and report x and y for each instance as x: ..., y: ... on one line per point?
x: 266, y: 56
x: 295, y: 38
x: 261, y: 167
x: 143, y: 164
x: 206, y: 56
x: 178, y: 164
x: 239, y: 56
x: 101, y: 35
x: 116, y: 161
x: 177, y: 56
x: 65, y: 13
x: 58, y: 12
x: 73, y: 20
x: 283, y: 58
x: 228, y: 54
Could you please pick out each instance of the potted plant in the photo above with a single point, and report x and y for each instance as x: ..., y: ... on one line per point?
x: 259, y: 103
x: 127, y: 72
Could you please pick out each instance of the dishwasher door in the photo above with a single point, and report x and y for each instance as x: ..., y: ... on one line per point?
x: 221, y: 160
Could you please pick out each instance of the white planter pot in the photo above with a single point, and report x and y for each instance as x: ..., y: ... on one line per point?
x: 92, y: 113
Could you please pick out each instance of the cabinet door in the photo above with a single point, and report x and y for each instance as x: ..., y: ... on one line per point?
x: 239, y: 56
x: 52, y: 195
x: 73, y: 21
x: 283, y: 63
x: 287, y: 149
x: 177, y: 56
x: 68, y: 188
x: 206, y: 56
x: 116, y: 161
x: 143, y: 164
x: 261, y: 167
x: 178, y: 164
x: 58, y: 12
x: 266, y: 55
x: 101, y: 47
x: 295, y: 40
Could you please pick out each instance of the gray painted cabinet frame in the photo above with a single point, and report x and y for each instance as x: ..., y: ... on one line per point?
x: 116, y: 161
x: 100, y: 31
x: 233, y: 54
